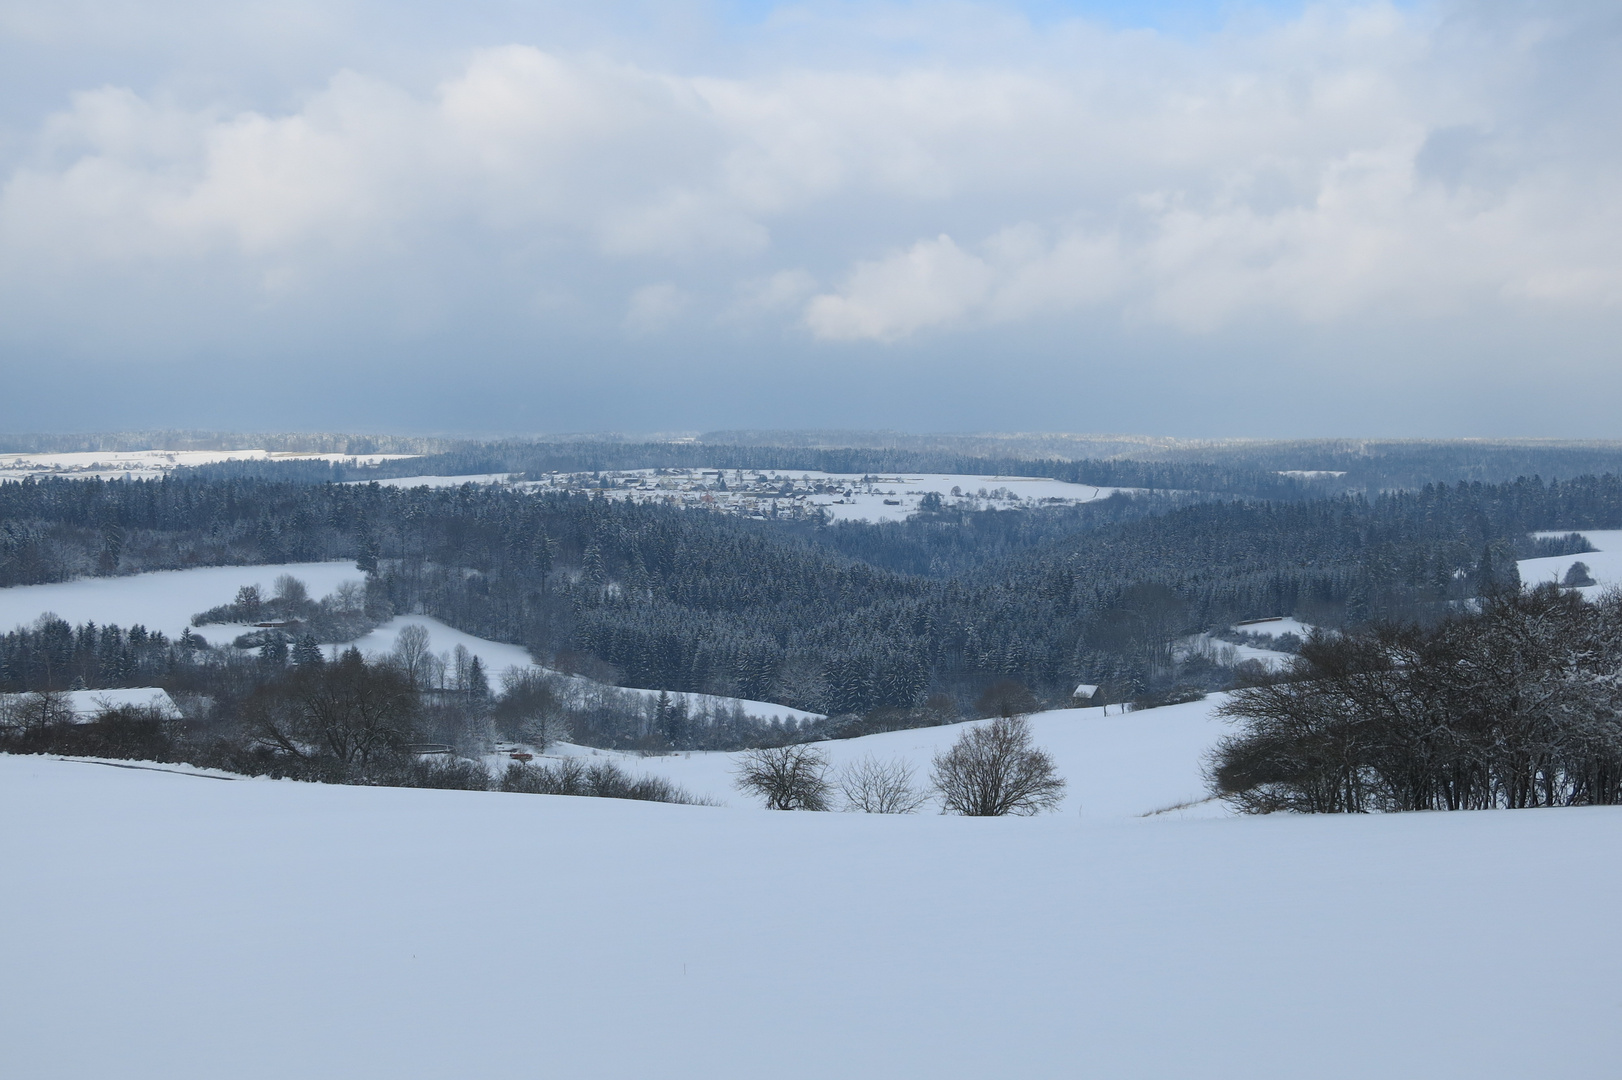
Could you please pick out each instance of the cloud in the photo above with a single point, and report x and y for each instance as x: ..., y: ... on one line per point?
x: 932, y: 283
x: 947, y: 170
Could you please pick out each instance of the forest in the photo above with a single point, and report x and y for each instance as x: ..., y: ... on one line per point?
x: 836, y: 619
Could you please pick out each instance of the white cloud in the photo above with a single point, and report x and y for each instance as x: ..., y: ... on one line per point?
x: 932, y: 283
x: 1358, y: 161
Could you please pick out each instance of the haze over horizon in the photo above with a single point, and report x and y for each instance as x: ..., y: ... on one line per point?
x: 1202, y: 220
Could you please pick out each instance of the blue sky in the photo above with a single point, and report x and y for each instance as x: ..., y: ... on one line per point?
x: 1259, y: 219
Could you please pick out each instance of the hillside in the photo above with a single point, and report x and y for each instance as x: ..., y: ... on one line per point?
x: 270, y: 929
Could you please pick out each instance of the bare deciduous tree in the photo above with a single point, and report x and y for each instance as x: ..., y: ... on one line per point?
x: 529, y: 708
x: 880, y: 787
x: 787, y: 777
x: 349, y: 712
x: 411, y: 654
x: 34, y: 712
x: 994, y: 770
x: 292, y: 592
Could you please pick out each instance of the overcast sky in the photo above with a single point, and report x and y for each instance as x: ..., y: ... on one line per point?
x: 480, y: 217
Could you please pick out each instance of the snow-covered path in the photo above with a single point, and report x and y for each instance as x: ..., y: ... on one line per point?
x: 156, y: 925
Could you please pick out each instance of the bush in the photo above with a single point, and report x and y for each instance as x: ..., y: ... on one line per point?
x: 787, y: 777
x: 1176, y: 695
x: 993, y: 770
x: 880, y: 787
x: 1517, y: 706
x: 602, y: 780
x: 1577, y: 576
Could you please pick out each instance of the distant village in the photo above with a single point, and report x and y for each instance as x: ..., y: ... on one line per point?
x: 768, y: 495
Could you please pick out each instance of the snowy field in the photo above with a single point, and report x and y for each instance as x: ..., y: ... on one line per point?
x: 148, y: 464
x: 172, y: 926
x: 1604, y: 565
x: 1115, y: 765
x: 163, y: 599
x: 498, y: 657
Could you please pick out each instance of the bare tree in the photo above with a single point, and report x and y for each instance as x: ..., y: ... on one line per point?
x: 349, y: 596
x: 411, y: 654
x: 529, y: 708
x: 249, y: 602
x: 994, y: 770
x: 34, y: 712
x: 349, y: 712
x: 292, y: 592
x: 880, y: 787
x: 787, y: 777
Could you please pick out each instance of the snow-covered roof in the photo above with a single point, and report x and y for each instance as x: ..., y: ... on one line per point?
x: 1085, y: 690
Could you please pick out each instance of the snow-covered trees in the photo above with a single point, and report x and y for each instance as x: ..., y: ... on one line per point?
x: 1520, y: 705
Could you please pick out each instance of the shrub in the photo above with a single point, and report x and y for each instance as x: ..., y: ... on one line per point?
x: 880, y: 787
x: 993, y: 770
x: 787, y: 777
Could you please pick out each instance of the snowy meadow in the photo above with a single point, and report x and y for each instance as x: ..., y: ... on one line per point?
x: 342, y: 931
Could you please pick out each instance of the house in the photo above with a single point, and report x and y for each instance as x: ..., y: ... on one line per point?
x: 1084, y: 692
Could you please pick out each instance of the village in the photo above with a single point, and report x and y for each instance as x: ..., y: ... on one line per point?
x: 817, y: 496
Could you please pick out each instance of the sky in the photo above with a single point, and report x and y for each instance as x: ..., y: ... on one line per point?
x: 1248, y: 219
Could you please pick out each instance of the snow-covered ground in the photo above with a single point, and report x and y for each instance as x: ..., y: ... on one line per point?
x: 1114, y: 764
x: 495, y: 655
x: 1604, y: 565
x: 146, y: 464
x: 157, y: 925
x: 164, y: 599
x: 498, y: 657
x: 1275, y: 627
x: 85, y: 705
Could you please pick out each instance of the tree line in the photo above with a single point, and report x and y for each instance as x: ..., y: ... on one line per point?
x: 837, y: 620
x: 1517, y: 705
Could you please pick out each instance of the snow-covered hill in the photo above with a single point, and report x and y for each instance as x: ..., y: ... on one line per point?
x: 1604, y: 564
x: 156, y: 925
x: 1115, y: 765
x: 163, y: 599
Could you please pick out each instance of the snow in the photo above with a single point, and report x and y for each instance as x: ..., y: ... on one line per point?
x: 1115, y: 764
x: 1229, y: 653
x: 1275, y: 627
x: 85, y: 704
x: 173, y: 926
x: 1604, y: 565
x: 162, y: 600
x: 765, y: 710
x: 496, y: 656
x: 147, y: 464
